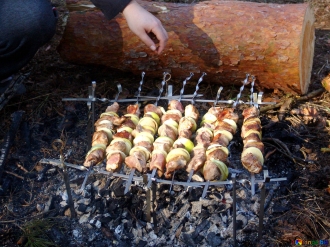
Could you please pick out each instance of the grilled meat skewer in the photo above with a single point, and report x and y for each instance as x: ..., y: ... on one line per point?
x: 252, y: 156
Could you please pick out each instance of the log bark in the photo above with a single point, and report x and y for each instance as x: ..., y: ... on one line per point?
x: 225, y: 39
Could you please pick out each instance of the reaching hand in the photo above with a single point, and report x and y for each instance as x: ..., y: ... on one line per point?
x: 142, y: 22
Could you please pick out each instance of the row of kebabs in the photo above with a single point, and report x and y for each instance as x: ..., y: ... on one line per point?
x: 170, y: 140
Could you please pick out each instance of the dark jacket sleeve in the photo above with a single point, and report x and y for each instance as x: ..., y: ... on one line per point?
x: 111, y: 8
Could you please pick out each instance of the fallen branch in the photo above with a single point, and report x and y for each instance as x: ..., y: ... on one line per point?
x: 14, y: 174
x: 298, y: 99
x: 281, y: 147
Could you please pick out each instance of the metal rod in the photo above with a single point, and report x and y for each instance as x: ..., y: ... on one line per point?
x: 59, y: 145
x: 206, y: 187
x: 148, y: 197
x: 89, y: 120
x: 186, y: 97
x: 234, y: 209
x: 129, y: 181
x: 153, y: 198
x: 191, y: 173
x: 262, y: 205
x: 89, y: 172
x: 253, y: 182
x: 93, y: 105
x: 153, y: 173
x: 172, y: 182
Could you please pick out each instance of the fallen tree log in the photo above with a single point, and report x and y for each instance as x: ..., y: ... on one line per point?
x: 226, y: 40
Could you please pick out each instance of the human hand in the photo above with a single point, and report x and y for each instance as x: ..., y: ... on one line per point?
x: 141, y: 22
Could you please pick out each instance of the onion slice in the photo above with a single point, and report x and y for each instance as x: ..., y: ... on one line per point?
x: 174, y: 153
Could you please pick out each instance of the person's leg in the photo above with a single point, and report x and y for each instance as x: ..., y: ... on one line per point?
x: 25, y: 26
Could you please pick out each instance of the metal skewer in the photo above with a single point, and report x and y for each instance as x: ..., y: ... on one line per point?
x: 245, y: 82
x: 153, y: 173
x: 217, y: 97
x: 91, y: 118
x: 90, y: 170
x: 197, y: 88
x: 130, y: 178
x: 166, y: 78
x: 140, y: 88
x: 252, y: 102
x: 191, y: 173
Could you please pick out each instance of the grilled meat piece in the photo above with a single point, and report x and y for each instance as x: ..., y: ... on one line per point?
x: 173, y: 165
x: 137, y: 160
x: 175, y: 105
x: 100, y: 137
x: 211, y: 171
x: 191, y: 111
x: 166, y: 130
x: 198, y: 159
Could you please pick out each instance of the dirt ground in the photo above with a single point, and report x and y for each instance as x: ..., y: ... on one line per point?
x: 306, y: 195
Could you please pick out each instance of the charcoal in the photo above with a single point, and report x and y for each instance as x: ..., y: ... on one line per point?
x: 183, y: 210
x: 205, y: 224
x: 142, y: 243
x: 195, y: 194
x: 196, y: 207
x: 84, y: 218
x: 213, y: 239
x: 188, y: 239
x: 82, y: 208
x: 49, y: 205
x: 57, y: 236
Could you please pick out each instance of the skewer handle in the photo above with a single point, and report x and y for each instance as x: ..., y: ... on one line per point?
x: 120, y: 89
x: 252, y: 85
x: 197, y: 88
x: 241, y: 90
x: 140, y: 87
x: 184, y: 84
x: 165, y: 74
x: 217, y: 97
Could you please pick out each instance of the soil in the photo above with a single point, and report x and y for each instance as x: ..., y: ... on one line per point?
x: 294, y: 139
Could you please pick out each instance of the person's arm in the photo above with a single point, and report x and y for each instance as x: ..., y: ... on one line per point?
x: 111, y: 8
x: 142, y: 22
x: 139, y: 20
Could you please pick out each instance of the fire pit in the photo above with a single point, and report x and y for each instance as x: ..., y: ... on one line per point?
x: 224, y: 194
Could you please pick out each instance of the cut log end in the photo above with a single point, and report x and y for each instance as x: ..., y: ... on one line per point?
x: 307, y: 50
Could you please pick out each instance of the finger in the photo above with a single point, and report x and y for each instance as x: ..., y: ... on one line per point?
x: 147, y: 40
x: 162, y: 36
